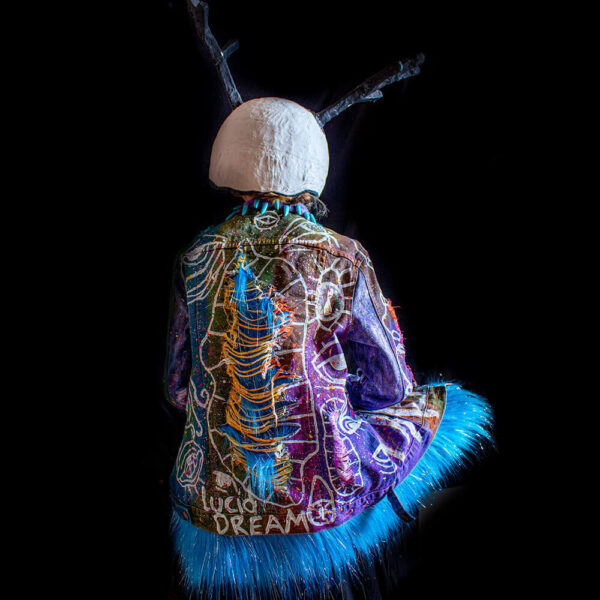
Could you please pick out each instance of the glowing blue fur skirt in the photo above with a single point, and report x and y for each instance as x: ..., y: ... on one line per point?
x: 313, y: 565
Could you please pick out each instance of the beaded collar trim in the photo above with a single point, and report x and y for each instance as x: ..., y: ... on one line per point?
x: 263, y: 205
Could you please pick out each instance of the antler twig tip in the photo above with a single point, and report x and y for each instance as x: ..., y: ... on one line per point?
x: 370, y: 89
x: 219, y: 56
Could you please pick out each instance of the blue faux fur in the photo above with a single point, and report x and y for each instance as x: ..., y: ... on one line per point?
x: 462, y: 437
x: 289, y: 567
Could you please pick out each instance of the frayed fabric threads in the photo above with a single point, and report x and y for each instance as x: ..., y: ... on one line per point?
x: 316, y: 565
x: 259, y: 323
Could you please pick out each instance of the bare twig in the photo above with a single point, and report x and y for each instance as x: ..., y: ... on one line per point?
x: 370, y: 90
x: 199, y: 12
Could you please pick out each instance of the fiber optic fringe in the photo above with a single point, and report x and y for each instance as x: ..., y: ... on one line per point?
x: 314, y: 566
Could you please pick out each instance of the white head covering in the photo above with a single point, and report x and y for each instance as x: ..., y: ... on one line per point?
x: 270, y: 145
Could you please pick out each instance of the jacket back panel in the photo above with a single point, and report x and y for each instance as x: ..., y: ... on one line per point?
x: 273, y: 442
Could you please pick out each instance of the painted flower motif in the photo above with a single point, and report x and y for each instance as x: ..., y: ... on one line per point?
x: 322, y: 512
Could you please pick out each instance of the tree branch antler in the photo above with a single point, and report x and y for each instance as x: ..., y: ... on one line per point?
x: 370, y: 89
x: 199, y: 12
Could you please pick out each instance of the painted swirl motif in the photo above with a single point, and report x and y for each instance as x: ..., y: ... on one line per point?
x: 189, y: 464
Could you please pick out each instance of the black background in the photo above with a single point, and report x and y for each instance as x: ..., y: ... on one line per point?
x: 428, y: 179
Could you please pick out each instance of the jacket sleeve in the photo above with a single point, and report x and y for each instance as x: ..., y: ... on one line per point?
x: 383, y: 377
x: 178, y: 360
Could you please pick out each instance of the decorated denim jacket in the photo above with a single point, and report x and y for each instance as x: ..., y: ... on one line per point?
x: 279, y: 437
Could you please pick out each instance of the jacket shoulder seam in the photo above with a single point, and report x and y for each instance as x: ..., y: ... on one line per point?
x: 211, y: 246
